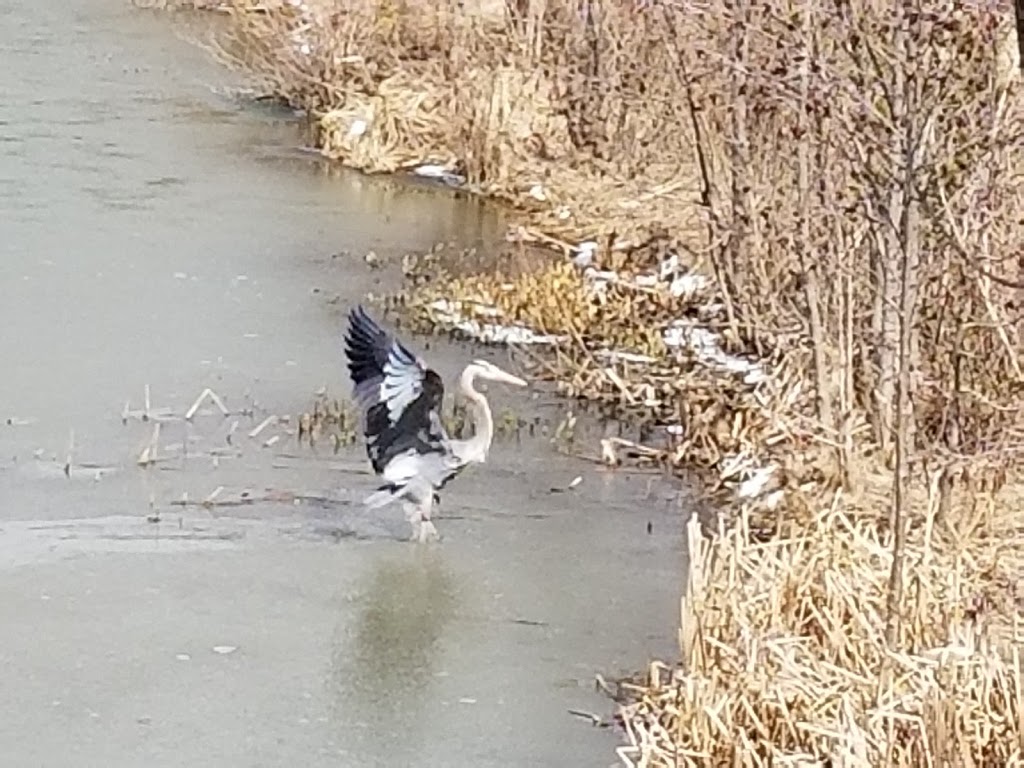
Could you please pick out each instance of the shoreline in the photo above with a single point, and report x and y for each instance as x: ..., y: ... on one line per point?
x: 632, y: 319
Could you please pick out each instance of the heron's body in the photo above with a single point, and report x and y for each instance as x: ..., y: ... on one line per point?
x: 401, y: 399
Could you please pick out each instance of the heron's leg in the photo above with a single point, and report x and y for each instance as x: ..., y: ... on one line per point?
x: 427, y: 529
x: 414, y: 516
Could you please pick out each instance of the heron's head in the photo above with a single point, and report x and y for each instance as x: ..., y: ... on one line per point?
x: 491, y: 372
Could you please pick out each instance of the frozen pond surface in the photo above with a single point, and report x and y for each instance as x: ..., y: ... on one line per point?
x: 158, y: 233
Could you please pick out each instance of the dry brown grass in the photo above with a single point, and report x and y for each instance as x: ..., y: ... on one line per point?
x: 858, y: 221
x: 509, y: 104
x: 625, y: 368
x: 181, y: 5
x: 785, y: 659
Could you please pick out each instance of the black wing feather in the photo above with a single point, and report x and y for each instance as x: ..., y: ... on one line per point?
x: 386, y: 376
x: 367, y: 349
x: 414, y: 429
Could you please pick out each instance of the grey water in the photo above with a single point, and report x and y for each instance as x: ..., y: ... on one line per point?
x: 162, y: 235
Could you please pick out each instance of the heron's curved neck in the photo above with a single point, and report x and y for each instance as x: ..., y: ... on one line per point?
x: 483, y: 423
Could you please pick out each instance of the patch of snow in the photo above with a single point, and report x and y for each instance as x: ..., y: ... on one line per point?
x: 597, y: 281
x: 437, y: 171
x: 585, y: 254
x: 616, y: 356
x: 678, y: 285
x: 358, y: 128
x: 688, y: 285
x: 492, y: 333
x: 706, y: 346
x: 755, y: 484
x: 754, y: 478
x: 505, y: 334
x: 668, y: 267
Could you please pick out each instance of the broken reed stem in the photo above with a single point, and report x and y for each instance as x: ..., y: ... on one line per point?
x: 214, y: 398
x: 71, y: 450
x: 262, y: 425
x: 149, y: 453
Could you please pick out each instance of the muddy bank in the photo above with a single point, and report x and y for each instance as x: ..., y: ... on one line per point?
x: 230, y: 602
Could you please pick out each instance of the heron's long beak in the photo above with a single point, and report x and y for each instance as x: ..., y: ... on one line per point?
x: 507, y: 378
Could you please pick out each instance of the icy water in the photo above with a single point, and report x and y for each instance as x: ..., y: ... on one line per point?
x: 160, y: 235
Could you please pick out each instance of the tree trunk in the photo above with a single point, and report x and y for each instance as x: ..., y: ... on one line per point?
x: 913, y: 139
x: 809, y: 255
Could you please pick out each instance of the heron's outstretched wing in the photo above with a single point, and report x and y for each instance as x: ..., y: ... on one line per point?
x: 400, y: 397
x: 383, y: 370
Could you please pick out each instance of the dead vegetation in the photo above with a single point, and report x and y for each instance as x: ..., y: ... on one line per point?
x: 785, y: 658
x: 506, y: 100
x: 805, y: 267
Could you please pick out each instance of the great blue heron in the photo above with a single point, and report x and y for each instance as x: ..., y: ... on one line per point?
x: 401, y: 402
